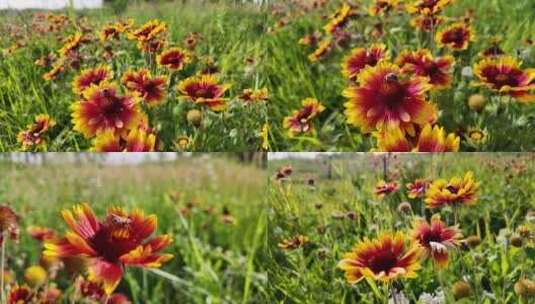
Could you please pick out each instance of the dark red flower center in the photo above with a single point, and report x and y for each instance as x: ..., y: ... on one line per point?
x: 383, y: 261
x: 206, y: 91
x: 452, y: 189
x: 115, y: 238
x: 428, y: 4
x: 430, y: 236
x: 113, y: 107
x: 392, y: 93
x: 305, y: 113
x: 456, y: 36
x: 502, y: 78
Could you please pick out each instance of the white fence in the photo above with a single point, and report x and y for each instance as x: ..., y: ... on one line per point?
x: 49, y: 4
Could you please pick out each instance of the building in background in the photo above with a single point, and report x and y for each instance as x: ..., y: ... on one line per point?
x: 49, y: 4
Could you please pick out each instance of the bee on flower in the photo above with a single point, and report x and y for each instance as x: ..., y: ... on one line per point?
x: 204, y: 90
x: 504, y: 75
x: 359, y: 58
x: 301, y: 120
x: 456, y: 191
x: 122, y: 238
x: 33, y: 136
x: 456, y: 36
x: 386, y: 97
x: 436, y: 238
x: 385, y: 259
x: 151, y: 89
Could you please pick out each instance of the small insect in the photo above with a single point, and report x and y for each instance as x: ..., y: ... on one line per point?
x: 391, y: 77
x: 120, y: 220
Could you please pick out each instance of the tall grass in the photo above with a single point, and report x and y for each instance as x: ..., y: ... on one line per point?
x: 214, y: 261
x: 341, y: 210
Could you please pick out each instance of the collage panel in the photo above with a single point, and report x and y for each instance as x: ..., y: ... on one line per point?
x: 135, y: 76
x: 132, y: 228
x: 401, y: 228
x: 402, y: 75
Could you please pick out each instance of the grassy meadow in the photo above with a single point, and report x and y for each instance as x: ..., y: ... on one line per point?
x: 326, y: 206
x: 210, y: 206
x: 220, y: 39
x: 490, y: 122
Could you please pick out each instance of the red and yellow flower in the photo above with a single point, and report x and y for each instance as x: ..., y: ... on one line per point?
x: 20, y: 295
x: 137, y: 140
x: 456, y: 36
x: 9, y: 226
x: 385, y: 97
x: 323, y: 49
x: 104, y: 109
x: 422, y: 63
x: 148, y: 31
x: 504, y: 75
x: 360, y: 58
x: 339, y: 19
x: 89, y: 77
x: 119, y: 240
x: 151, y: 89
x: 436, y: 238
x: 72, y: 43
x: 252, y: 96
x: 435, y: 139
x: 57, y: 68
x: 204, y: 90
x: 109, y: 31
x: 417, y: 188
x: 427, y: 7
x: 427, y: 23
x: 379, y: 7
x: 174, y: 58
x: 383, y: 188
x: 429, y: 139
x: 33, y: 135
x: 301, y: 120
x: 455, y: 191
x: 384, y: 259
